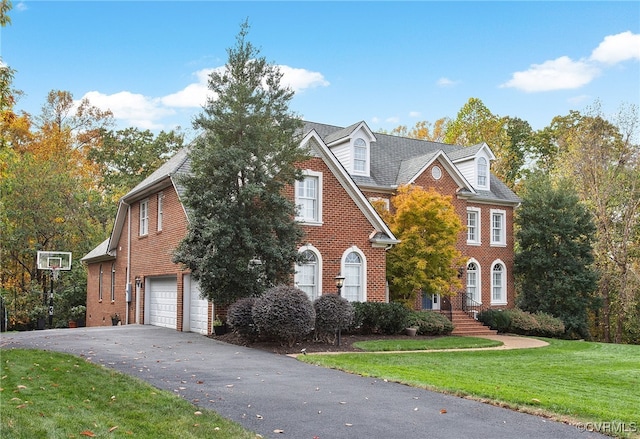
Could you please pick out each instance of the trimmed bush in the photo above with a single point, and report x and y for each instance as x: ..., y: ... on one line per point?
x: 497, y: 319
x: 550, y: 326
x: 377, y: 317
x: 332, y: 313
x: 240, y: 318
x: 430, y: 323
x: 284, y: 313
x: 523, y: 323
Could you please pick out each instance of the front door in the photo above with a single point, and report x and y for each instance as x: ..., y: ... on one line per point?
x: 435, y: 302
x: 431, y: 301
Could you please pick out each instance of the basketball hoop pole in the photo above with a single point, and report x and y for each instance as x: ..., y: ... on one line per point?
x: 54, y: 275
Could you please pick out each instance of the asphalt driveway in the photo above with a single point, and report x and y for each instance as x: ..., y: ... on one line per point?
x: 266, y: 392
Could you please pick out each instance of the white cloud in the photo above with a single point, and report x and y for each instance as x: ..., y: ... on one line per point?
x: 301, y: 79
x: 446, y: 82
x: 415, y: 114
x: 21, y: 6
x: 193, y: 95
x: 617, y: 48
x: 559, y: 74
x: 375, y: 119
x: 392, y: 119
x: 138, y: 110
x: 147, y: 112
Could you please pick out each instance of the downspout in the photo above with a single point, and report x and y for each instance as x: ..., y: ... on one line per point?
x: 127, y: 291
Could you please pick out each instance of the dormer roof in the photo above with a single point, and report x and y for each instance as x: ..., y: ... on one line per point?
x: 397, y: 160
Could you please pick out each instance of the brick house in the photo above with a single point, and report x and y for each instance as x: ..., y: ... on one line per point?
x: 131, y: 273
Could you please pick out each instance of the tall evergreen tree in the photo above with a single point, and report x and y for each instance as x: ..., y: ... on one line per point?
x: 554, y: 262
x: 242, y: 236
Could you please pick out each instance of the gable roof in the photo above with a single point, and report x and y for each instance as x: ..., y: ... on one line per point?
x: 396, y: 160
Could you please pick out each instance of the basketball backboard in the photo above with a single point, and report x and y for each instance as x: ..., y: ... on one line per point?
x: 54, y: 260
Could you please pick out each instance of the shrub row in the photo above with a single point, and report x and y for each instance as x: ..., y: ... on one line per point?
x: 430, y: 323
x: 521, y: 322
x: 286, y: 314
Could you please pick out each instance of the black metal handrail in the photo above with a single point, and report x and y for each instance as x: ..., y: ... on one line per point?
x: 470, y: 306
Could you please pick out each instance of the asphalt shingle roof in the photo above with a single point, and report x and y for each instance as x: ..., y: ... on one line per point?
x: 395, y: 160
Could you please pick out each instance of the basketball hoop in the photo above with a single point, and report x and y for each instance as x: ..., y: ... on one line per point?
x: 55, y: 272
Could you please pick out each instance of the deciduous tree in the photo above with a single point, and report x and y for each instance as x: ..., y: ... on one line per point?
x: 426, y: 259
x: 242, y: 236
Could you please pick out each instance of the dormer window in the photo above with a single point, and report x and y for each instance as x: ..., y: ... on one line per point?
x: 360, y: 156
x: 482, y: 172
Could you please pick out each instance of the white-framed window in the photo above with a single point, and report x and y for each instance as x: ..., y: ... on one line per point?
x: 360, y: 155
x: 482, y: 172
x: 498, y: 283
x: 473, y: 283
x: 498, y: 227
x: 473, y: 226
x: 160, y: 210
x: 309, y: 198
x: 144, y: 217
x: 353, y: 270
x: 113, y: 281
x: 307, y: 276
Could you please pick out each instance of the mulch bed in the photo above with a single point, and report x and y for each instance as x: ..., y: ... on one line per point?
x: 346, y: 343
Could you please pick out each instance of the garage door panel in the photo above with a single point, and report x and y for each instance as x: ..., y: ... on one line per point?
x: 163, y: 303
x: 198, y: 312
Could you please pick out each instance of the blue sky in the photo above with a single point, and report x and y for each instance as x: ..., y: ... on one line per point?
x: 387, y: 63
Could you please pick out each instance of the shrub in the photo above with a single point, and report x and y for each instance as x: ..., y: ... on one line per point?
x: 550, y: 326
x: 240, y: 318
x: 377, y: 317
x: 497, y: 319
x: 430, y: 323
x: 523, y: 322
x: 332, y: 313
x: 284, y: 313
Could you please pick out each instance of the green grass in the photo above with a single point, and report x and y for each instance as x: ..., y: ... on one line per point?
x: 53, y: 395
x: 569, y: 380
x: 420, y: 344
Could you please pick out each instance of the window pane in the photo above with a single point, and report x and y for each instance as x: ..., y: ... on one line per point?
x: 307, y: 195
x: 307, y: 275
x: 352, y: 288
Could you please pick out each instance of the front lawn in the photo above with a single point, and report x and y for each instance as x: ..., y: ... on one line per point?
x: 421, y: 344
x: 53, y: 395
x: 569, y: 380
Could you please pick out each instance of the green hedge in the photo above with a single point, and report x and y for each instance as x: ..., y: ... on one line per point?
x: 379, y: 318
x: 430, y: 323
x: 516, y: 321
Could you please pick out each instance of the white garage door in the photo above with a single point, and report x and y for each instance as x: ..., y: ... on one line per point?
x: 163, y: 302
x: 198, y: 311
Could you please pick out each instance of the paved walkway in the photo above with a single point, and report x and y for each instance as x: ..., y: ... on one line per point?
x: 508, y: 342
x: 266, y: 392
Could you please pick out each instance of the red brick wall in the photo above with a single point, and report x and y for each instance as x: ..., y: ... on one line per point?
x: 344, y: 226
x: 485, y: 254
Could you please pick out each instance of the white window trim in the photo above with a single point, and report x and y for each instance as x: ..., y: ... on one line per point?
x: 160, y: 210
x: 486, y: 174
x: 478, y: 297
x: 385, y: 201
x: 308, y: 221
x: 367, y: 157
x: 504, y: 283
x: 113, y: 282
x: 478, y: 212
x: 503, y: 233
x: 319, y: 259
x: 363, y: 274
x: 144, y: 220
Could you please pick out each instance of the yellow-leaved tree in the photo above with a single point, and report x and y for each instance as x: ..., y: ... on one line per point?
x: 426, y: 259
